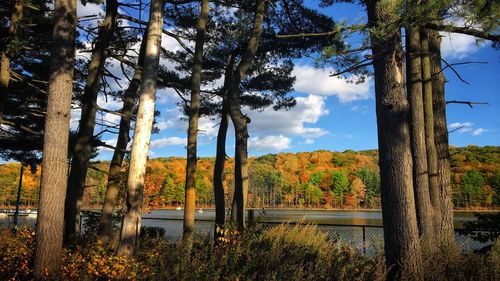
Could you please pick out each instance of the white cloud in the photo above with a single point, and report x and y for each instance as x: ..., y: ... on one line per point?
x: 109, y: 103
x: 269, y: 143
x: 318, y: 82
x: 479, y: 131
x: 111, y: 142
x: 458, y: 46
x: 111, y: 119
x: 460, y: 127
x: 76, y: 113
x: 162, y: 142
x: 359, y: 108
x: 309, y: 141
x: 88, y: 9
x: 165, y: 124
x: 207, y: 127
x: 466, y: 127
x: 293, y: 122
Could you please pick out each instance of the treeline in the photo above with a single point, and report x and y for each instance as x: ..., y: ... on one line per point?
x: 321, y: 179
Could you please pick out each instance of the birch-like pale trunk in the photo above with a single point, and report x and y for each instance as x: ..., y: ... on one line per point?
x: 194, y: 115
x: 105, y: 229
x: 50, y: 219
x: 131, y: 224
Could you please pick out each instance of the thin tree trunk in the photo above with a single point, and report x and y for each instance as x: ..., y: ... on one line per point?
x: 419, y: 152
x: 444, y: 218
x: 220, y: 158
x: 194, y: 114
x: 85, y: 136
x: 131, y: 224
x: 429, y: 121
x: 105, y: 228
x: 402, y: 247
x: 50, y: 220
x: 15, y: 18
x: 240, y: 121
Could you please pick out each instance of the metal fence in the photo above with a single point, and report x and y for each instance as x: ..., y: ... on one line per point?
x: 367, y: 239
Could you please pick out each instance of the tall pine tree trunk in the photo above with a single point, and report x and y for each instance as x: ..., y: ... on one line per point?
x: 50, y: 220
x: 131, y: 224
x: 194, y: 114
x: 444, y: 218
x: 402, y: 247
x: 105, y: 228
x: 15, y: 18
x: 85, y: 135
x: 429, y: 120
x: 419, y: 152
x: 240, y: 121
x: 240, y: 165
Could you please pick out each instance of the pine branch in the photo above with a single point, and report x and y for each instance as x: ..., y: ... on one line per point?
x: 352, y: 28
x: 464, y: 30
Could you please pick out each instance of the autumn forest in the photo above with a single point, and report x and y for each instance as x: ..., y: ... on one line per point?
x: 319, y: 179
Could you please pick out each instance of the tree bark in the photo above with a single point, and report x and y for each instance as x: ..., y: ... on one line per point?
x: 15, y: 18
x: 240, y: 121
x: 418, y: 141
x: 444, y: 218
x: 131, y: 224
x: 429, y: 121
x: 194, y: 114
x: 50, y: 220
x: 105, y: 228
x: 85, y: 136
x: 402, y: 247
x: 220, y: 158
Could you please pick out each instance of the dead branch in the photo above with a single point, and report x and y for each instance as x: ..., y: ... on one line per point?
x: 469, y: 103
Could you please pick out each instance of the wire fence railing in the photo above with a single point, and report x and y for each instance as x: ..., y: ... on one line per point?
x: 367, y: 239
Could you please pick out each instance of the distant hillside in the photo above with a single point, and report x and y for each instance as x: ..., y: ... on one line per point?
x: 346, y: 179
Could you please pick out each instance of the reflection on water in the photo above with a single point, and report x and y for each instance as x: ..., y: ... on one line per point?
x: 346, y: 217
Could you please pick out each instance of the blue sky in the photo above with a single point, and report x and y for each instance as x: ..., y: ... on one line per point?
x: 332, y: 114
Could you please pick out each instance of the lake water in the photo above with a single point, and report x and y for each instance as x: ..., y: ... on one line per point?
x: 348, y: 223
x: 299, y: 215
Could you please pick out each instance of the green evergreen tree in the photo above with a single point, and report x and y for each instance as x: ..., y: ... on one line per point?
x: 472, y: 184
x: 340, y: 186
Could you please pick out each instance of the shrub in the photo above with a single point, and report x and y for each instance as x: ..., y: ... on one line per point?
x: 16, y: 253
x: 453, y: 264
x: 283, y: 252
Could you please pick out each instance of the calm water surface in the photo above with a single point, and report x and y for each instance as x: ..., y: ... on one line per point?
x: 171, y: 221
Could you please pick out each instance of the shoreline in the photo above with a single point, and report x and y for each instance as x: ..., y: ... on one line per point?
x: 465, y: 210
